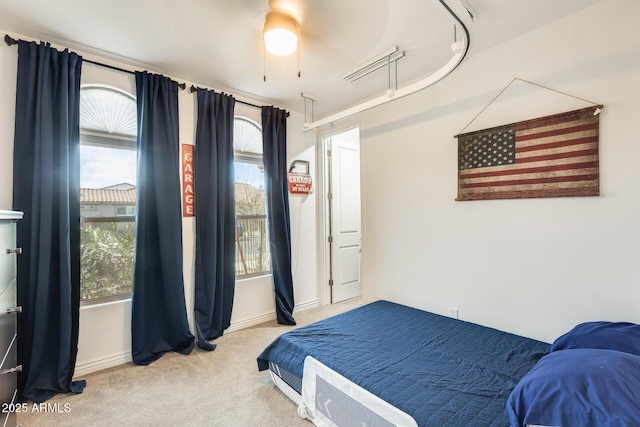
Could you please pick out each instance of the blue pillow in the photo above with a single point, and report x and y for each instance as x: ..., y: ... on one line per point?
x: 584, y: 387
x: 618, y: 336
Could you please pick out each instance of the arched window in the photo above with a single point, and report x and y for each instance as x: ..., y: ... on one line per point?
x: 108, y: 168
x: 108, y: 112
x: 252, y: 242
x: 247, y: 137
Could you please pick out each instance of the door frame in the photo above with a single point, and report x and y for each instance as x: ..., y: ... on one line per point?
x: 322, y: 209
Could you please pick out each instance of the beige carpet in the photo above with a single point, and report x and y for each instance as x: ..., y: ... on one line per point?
x: 218, y: 388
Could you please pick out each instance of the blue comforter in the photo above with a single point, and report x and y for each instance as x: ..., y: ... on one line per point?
x: 439, y: 370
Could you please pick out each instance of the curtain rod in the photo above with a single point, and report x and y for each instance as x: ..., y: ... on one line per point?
x: 194, y: 88
x: 11, y: 41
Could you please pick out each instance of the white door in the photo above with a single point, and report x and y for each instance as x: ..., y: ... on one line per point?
x: 344, y: 205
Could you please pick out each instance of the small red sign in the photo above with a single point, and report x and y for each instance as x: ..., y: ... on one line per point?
x: 299, y: 183
x: 188, y: 193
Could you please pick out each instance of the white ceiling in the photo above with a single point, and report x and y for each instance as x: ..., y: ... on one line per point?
x: 217, y: 43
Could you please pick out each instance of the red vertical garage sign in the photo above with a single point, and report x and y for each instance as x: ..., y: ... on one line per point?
x: 188, y: 194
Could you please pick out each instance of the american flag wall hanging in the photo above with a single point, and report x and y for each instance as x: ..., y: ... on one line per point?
x: 552, y: 156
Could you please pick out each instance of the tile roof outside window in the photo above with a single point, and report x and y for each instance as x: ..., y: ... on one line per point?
x: 108, y: 195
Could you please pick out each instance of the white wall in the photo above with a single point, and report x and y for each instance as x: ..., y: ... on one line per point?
x: 8, y: 66
x: 302, y: 146
x: 105, y: 337
x: 535, y: 267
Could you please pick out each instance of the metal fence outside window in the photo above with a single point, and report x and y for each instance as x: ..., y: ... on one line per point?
x: 252, y: 246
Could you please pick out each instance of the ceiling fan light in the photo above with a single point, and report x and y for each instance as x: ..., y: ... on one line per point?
x: 280, y: 33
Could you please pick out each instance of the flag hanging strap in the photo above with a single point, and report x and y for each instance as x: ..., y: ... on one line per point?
x: 598, y: 106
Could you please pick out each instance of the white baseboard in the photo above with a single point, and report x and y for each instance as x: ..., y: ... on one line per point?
x: 120, y: 359
x: 267, y: 317
x: 251, y: 321
x: 100, y: 364
x: 307, y: 305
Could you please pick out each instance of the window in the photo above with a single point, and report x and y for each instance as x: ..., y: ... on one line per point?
x: 252, y: 242
x: 125, y: 210
x: 108, y: 168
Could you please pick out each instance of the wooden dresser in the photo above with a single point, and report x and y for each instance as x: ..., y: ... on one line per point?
x: 9, y: 310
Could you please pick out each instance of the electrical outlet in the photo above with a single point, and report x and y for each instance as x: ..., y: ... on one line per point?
x: 453, y: 312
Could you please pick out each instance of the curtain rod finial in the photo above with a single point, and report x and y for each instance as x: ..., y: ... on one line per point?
x: 9, y: 41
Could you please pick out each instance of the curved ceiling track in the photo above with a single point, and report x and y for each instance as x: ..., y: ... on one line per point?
x: 424, y: 83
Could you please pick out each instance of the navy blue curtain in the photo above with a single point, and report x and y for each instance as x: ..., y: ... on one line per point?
x: 274, y: 143
x: 159, y: 315
x: 215, y: 216
x: 46, y: 187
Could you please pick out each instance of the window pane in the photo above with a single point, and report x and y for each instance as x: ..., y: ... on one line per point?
x: 252, y: 243
x: 106, y: 166
x: 249, y: 188
x: 106, y: 257
x: 107, y: 208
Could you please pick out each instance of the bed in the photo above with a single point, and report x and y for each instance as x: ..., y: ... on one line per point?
x: 387, y: 364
